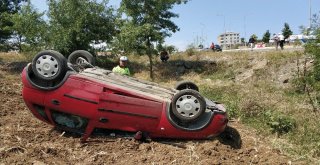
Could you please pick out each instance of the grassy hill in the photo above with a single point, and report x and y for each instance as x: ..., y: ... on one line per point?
x: 260, y: 89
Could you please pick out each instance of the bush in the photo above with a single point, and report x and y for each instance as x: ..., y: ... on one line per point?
x: 281, y: 124
x: 190, y: 51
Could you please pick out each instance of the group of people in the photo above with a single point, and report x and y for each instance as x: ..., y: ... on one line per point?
x: 279, y: 40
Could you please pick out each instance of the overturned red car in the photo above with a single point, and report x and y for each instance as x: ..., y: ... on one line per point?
x: 73, y: 95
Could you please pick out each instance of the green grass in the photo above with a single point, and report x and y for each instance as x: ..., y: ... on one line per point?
x: 263, y: 102
x: 277, y: 110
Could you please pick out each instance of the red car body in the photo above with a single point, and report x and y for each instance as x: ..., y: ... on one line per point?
x: 98, y: 98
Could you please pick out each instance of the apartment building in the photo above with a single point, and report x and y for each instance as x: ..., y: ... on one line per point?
x: 228, y: 39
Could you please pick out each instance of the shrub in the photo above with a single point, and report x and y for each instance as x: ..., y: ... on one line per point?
x: 281, y: 124
x: 190, y: 50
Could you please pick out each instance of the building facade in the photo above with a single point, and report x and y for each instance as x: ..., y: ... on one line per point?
x: 229, y: 39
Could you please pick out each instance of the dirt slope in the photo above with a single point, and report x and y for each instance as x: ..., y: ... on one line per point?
x: 26, y: 140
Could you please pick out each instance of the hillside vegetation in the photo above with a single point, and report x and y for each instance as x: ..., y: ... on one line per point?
x: 260, y: 89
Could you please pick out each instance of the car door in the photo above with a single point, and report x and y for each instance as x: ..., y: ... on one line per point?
x: 129, y: 111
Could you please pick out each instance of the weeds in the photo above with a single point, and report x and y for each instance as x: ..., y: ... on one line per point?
x: 190, y: 51
x: 281, y: 124
x: 262, y: 101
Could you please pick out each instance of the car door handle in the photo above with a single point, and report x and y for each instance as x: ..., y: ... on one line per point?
x: 55, y: 102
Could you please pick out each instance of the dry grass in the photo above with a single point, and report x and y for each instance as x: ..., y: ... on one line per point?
x: 256, y: 87
x: 11, y: 57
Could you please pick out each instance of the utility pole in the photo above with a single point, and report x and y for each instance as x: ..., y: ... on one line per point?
x: 310, y: 15
x: 225, y: 31
x: 245, y: 32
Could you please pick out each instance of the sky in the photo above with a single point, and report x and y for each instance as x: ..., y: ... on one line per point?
x: 201, y: 21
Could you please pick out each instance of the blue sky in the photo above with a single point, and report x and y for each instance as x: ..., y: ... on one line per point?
x: 204, y: 20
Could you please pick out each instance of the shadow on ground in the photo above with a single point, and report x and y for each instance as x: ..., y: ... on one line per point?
x: 14, y: 67
x: 164, y: 71
x: 229, y: 137
x: 174, y: 69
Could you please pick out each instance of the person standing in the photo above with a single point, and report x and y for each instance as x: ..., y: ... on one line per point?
x: 122, y: 68
x: 281, y: 40
x: 251, y: 42
x: 212, y: 46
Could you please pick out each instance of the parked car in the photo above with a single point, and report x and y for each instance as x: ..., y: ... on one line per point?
x: 73, y: 95
x: 217, y: 48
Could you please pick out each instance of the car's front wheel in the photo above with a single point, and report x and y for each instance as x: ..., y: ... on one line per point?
x: 49, y: 65
x: 188, y: 105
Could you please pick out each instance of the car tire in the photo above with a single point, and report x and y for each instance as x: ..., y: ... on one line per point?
x: 188, y: 105
x: 49, y: 65
x: 186, y: 85
x: 77, y: 57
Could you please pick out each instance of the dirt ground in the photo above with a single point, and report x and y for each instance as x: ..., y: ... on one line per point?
x: 26, y: 140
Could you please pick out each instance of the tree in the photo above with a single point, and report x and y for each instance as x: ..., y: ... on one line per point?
x: 7, y: 9
x: 254, y: 36
x: 29, y: 27
x: 75, y: 24
x: 286, y: 31
x: 242, y: 40
x: 304, y: 30
x: 148, y: 22
x: 313, y: 47
x: 171, y: 48
x: 266, y: 37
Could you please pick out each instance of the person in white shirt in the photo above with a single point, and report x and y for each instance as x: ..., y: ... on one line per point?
x: 281, y: 40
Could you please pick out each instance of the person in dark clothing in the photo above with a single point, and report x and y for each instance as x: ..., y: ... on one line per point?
x: 251, y: 42
x: 164, y: 56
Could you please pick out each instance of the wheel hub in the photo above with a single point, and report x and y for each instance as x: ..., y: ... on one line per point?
x: 47, y: 66
x: 188, y: 105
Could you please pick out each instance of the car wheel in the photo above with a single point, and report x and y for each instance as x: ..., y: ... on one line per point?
x: 188, y: 105
x: 79, y: 57
x: 49, y: 65
x: 186, y: 85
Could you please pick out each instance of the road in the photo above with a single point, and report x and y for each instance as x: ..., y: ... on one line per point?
x: 291, y: 48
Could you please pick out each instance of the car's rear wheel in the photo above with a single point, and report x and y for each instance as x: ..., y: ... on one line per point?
x: 49, y: 65
x: 188, y: 105
x: 80, y: 57
x: 186, y: 85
